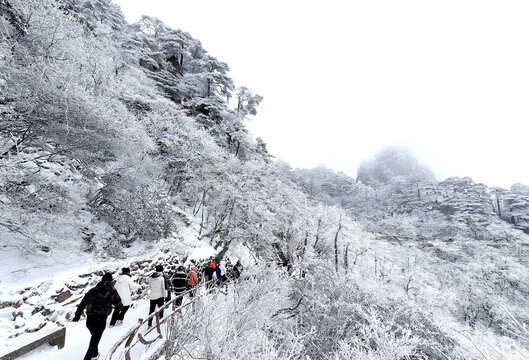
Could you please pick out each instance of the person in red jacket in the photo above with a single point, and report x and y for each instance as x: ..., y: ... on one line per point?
x: 193, y: 280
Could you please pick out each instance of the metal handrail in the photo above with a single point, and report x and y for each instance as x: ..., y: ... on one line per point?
x: 129, y: 336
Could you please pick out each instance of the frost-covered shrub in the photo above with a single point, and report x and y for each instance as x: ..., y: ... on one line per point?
x: 271, y: 315
x: 375, y: 342
x: 346, y: 314
x: 134, y: 208
x: 251, y: 321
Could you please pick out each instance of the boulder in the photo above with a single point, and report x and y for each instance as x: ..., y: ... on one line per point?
x: 65, y: 295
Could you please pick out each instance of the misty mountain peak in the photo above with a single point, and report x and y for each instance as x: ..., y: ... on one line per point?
x: 391, y: 162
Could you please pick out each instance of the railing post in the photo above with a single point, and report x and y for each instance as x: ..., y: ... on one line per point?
x: 158, y: 323
x: 127, y: 344
x: 173, y: 313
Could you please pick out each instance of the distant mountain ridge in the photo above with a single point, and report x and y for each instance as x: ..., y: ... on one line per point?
x: 394, y: 183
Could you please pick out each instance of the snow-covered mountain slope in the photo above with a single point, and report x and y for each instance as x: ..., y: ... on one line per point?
x: 118, y: 145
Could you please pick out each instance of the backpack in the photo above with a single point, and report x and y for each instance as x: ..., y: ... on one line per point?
x: 167, y: 284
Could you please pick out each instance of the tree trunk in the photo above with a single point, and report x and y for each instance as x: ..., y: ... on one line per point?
x: 376, y: 261
x: 237, y: 149
x: 223, y: 252
x: 336, y: 243
x: 336, y: 250
x: 305, y: 243
x: 218, y: 244
x: 346, y: 258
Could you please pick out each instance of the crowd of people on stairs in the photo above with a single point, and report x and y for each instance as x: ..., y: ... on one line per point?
x: 117, y: 294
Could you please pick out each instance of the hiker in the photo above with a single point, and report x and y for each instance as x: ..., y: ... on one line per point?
x: 229, y: 269
x: 167, y: 283
x: 158, y: 292
x: 179, y: 284
x: 192, y: 280
x: 98, y: 302
x: 290, y: 268
x: 125, y: 286
x: 200, y: 271
x: 237, y: 269
x: 208, y: 273
x: 218, y: 274
x: 222, y: 270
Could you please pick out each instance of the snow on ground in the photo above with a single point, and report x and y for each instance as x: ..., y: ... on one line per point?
x: 203, y: 252
x: 29, y: 285
x: 26, y: 327
x: 78, y: 337
x: 18, y: 272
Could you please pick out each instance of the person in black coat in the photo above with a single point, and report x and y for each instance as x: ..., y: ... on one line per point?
x: 179, y: 283
x: 159, y: 268
x: 98, y: 302
x: 237, y: 269
x: 209, y: 270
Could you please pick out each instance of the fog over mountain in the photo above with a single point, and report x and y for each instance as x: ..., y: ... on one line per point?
x: 389, y: 163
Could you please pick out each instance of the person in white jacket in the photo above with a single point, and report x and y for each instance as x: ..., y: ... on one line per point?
x: 157, y: 291
x: 222, y: 268
x: 125, y: 286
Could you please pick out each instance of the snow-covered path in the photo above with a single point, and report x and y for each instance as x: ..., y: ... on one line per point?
x: 39, y: 287
x: 78, y: 336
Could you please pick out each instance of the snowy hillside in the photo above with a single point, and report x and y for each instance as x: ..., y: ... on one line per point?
x: 463, y: 240
x: 125, y: 145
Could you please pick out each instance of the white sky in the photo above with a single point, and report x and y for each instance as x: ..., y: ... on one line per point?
x: 340, y: 79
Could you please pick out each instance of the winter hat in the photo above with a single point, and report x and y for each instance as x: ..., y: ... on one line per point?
x: 125, y: 271
x: 159, y: 268
x: 107, y: 277
x: 212, y: 265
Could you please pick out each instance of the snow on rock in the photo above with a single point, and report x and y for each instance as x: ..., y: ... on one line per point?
x: 33, y: 300
x: 6, y: 320
x: 8, y: 298
x: 29, y: 305
x: 19, y: 322
x: 35, y: 323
